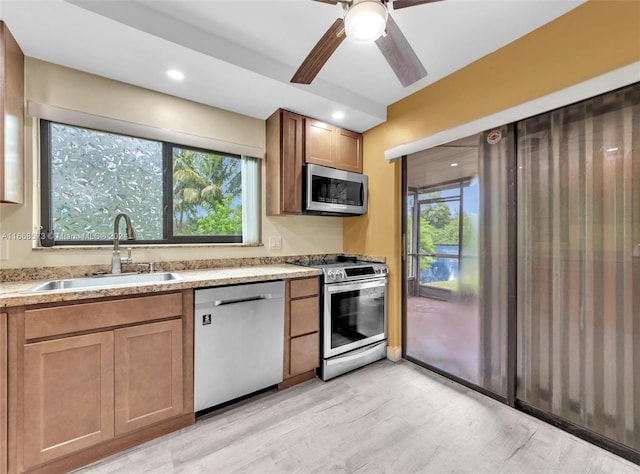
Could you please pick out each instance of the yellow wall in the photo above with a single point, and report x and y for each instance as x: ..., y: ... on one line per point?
x: 62, y: 87
x: 597, y: 37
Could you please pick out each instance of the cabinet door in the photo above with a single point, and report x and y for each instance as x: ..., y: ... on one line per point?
x: 148, y: 380
x: 291, y: 192
x: 305, y: 316
x: 3, y: 393
x: 305, y: 353
x: 319, y: 143
x: 303, y: 287
x: 11, y: 118
x: 68, y: 395
x: 349, y: 150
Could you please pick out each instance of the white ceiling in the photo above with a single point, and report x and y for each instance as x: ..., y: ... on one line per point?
x: 239, y: 55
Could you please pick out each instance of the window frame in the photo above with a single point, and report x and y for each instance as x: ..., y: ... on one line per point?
x: 167, y: 194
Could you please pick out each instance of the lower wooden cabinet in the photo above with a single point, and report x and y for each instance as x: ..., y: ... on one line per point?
x: 3, y: 392
x: 302, y: 330
x: 95, y: 378
x: 148, y: 382
x: 68, y: 395
x: 304, y: 353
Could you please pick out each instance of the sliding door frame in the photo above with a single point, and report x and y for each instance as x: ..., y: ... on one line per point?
x: 512, y: 333
x: 512, y: 282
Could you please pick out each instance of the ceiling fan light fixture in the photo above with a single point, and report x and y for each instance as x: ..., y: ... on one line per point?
x: 365, y: 21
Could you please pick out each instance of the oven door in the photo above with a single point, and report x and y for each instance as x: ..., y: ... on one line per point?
x: 355, y: 315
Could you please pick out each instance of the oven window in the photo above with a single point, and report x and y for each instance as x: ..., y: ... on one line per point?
x: 336, y: 191
x: 356, y: 315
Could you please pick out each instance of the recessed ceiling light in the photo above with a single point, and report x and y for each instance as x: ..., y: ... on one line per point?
x: 175, y: 74
x: 454, y: 164
x: 338, y: 115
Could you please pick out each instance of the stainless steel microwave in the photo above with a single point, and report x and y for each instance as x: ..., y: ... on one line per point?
x: 333, y: 192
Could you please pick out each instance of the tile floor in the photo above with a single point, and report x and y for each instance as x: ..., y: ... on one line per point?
x: 386, y: 417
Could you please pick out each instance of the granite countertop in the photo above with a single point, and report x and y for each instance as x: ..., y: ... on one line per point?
x: 13, y: 293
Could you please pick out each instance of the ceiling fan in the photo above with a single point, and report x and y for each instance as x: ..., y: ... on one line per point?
x: 366, y: 21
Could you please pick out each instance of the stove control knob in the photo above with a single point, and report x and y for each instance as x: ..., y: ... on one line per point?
x: 340, y: 274
x: 331, y: 275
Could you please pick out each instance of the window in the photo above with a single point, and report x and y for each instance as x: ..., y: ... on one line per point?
x: 90, y: 176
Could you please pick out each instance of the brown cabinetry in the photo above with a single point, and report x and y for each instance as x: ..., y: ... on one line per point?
x: 148, y: 382
x: 11, y: 118
x: 68, y: 392
x: 284, y: 163
x: 95, y: 378
x: 332, y: 146
x: 3, y: 393
x: 293, y: 140
x: 302, y: 330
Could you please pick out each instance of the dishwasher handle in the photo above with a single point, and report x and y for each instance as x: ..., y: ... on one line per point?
x: 242, y: 300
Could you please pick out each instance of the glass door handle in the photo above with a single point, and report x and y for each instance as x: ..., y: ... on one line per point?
x: 636, y: 250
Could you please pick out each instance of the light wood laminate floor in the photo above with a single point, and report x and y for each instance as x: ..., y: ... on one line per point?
x: 386, y: 417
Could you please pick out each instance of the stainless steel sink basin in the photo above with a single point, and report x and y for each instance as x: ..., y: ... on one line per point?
x: 103, y: 280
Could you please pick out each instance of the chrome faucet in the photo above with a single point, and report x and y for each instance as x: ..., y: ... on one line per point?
x: 116, y: 260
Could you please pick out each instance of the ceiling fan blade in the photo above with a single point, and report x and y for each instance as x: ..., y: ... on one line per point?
x: 320, y: 53
x: 332, y: 2
x: 400, y: 55
x: 398, y: 4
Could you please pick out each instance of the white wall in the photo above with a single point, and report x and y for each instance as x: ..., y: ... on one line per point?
x: 58, y: 86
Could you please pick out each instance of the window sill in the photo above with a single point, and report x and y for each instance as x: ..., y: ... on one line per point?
x: 124, y: 245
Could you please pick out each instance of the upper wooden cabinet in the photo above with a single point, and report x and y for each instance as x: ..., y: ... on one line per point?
x: 284, y: 163
x: 332, y: 146
x: 12, y: 118
x: 293, y: 140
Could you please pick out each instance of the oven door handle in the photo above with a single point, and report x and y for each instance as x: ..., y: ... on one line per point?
x: 352, y: 355
x: 355, y: 285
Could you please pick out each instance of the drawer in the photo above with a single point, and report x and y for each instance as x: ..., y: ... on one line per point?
x: 305, y: 316
x: 305, y: 353
x: 46, y: 322
x: 304, y: 287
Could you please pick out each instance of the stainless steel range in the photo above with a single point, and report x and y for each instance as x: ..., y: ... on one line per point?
x: 354, y: 309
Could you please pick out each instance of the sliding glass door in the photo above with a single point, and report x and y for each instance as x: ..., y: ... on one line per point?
x: 579, y: 264
x: 523, y: 264
x: 457, y: 275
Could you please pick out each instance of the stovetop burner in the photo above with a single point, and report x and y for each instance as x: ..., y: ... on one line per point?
x: 345, y: 268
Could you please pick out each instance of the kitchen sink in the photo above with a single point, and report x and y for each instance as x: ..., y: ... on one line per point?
x: 103, y: 280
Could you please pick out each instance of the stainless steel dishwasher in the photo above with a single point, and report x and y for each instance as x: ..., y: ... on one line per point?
x: 238, y: 343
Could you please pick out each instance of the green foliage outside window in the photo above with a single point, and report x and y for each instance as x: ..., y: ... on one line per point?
x: 207, y: 191
x: 438, y: 226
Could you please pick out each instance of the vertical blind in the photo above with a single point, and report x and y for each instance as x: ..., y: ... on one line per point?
x: 493, y: 163
x: 578, y: 281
